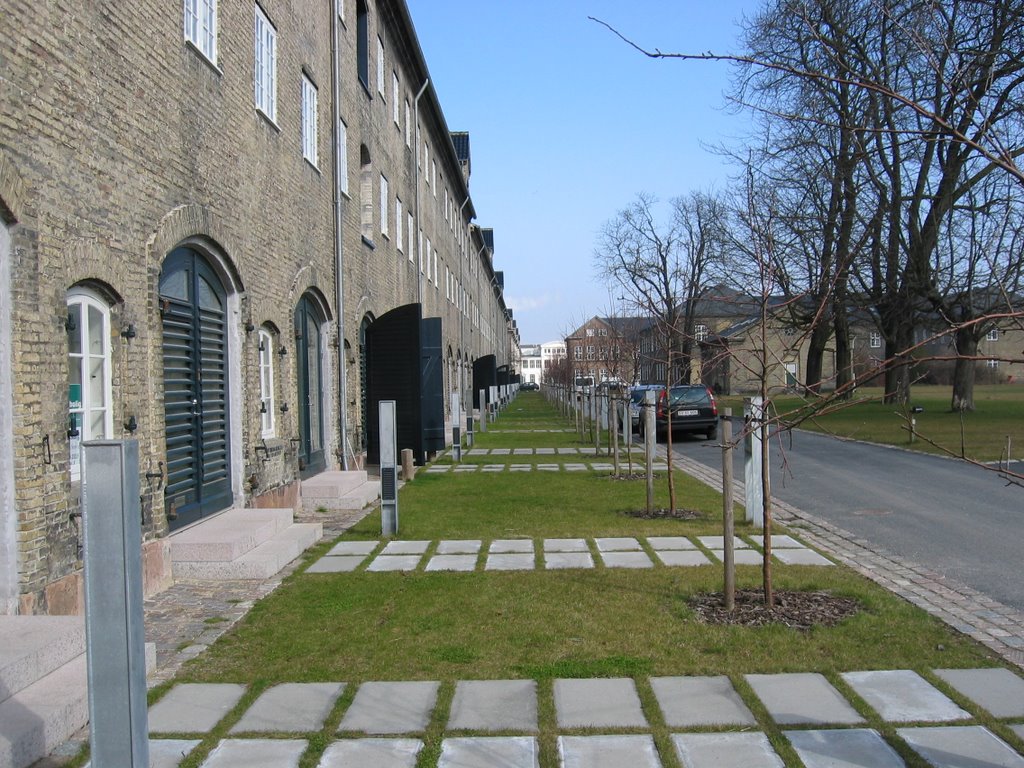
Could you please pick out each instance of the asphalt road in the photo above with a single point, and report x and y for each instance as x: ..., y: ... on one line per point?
x: 958, y: 520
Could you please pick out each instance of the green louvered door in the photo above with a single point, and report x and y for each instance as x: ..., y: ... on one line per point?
x: 196, y: 415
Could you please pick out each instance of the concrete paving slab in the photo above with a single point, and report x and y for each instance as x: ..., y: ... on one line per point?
x: 699, y: 701
x: 626, y: 560
x: 352, y: 548
x: 568, y: 450
x: 803, y: 698
x: 439, y: 470
x: 504, y: 546
x: 256, y: 753
x: 718, y: 542
x: 588, y: 451
x: 167, y: 753
x: 964, y: 746
x: 566, y: 545
x: 383, y: 563
x: 846, y: 748
x: 458, y: 546
x: 193, y: 707
x: 545, y: 451
x: 522, y: 452
x: 670, y: 543
x: 467, y: 468
x: 371, y: 753
x: 602, y: 466
x: 549, y: 467
x: 575, y: 467
x: 677, y: 557
x: 607, y: 752
x: 494, y: 705
x: 521, y: 468
x: 598, y: 703
x: 510, y: 562
x: 489, y: 751
x: 383, y: 708
x: 463, y: 563
x: 558, y: 560
x: 494, y: 468
x: 290, y: 707
x: 478, y: 452
x: 997, y: 690
x: 780, y: 541
x: 329, y: 564
x: 618, y: 544
x: 1018, y: 729
x: 659, y: 467
x: 800, y: 557
x: 725, y: 750
x: 741, y: 556
x: 501, y: 451
x: 405, y: 548
x: 903, y: 696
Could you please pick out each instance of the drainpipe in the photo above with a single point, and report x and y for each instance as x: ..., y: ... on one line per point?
x: 421, y: 266
x: 460, y: 306
x: 339, y: 276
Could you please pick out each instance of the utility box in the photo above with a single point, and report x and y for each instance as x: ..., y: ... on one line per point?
x: 388, y: 469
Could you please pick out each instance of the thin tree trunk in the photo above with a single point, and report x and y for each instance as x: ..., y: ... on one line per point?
x: 963, y: 371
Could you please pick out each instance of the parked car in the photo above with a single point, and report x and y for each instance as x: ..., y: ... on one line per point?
x: 529, y: 386
x: 693, y: 409
x: 636, y: 400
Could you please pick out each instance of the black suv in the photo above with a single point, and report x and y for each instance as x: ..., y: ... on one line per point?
x: 693, y: 410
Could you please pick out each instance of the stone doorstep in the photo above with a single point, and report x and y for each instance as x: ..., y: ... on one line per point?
x: 329, y: 484
x: 33, y: 646
x: 354, y: 498
x: 229, y: 535
x: 260, y: 563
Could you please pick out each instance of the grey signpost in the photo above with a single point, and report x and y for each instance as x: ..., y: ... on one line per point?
x: 456, y: 430
x: 752, y: 469
x: 469, y: 424
x: 388, y: 469
x: 483, y: 410
x: 115, y: 640
x: 493, y: 403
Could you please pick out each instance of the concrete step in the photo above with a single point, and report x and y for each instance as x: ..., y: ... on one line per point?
x: 339, y: 490
x: 31, y: 647
x: 261, y: 562
x: 229, y: 535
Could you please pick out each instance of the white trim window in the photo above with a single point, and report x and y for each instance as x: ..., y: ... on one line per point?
x: 992, y: 335
x: 875, y: 340
x: 380, y: 67
x: 396, y: 107
x: 266, y: 349
x: 398, y: 224
x: 410, y: 230
x: 383, y: 205
x: 309, y: 127
x: 408, y: 124
x: 265, y: 80
x: 992, y: 364
x: 343, y: 159
x: 89, y: 379
x: 425, y: 267
x: 201, y: 27
x: 700, y: 332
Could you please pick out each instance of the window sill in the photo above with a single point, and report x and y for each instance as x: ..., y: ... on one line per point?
x: 312, y: 165
x: 204, y: 58
x: 268, y: 120
x: 369, y: 243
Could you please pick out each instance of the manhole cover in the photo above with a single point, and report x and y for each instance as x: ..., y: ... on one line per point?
x: 872, y: 512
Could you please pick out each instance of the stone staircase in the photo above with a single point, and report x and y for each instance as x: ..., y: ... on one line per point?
x: 241, y: 544
x: 339, y: 490
x: 44, y: 696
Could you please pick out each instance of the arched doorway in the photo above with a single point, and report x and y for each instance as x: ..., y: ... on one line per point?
x: 9, y: 586
x: 364, y: 388
x: 309, y: 321
x: 193, y: 304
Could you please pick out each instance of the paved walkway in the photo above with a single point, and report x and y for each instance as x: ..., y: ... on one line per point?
x: 495, y: 722
x: 554, y: 554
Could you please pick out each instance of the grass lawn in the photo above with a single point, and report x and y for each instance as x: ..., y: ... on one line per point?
x: 542, y: 625
x: 983, y: 433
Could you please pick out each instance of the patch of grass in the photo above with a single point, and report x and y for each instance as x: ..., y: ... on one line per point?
x: 981, y: 434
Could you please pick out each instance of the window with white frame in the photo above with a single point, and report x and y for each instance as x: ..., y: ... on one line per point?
x: 590, y: 331
x: 433, y: 177
x: 309, y: 128
x: 408, y: 124
x: 425, y: 257
x: 577, y: 353
x: 343, y: 159
x: 266, y: 350
x: 992, y: 335
x: 410, y: 230
x: 398, y: 223
x: 992, y: 363
x: 396, y: 107
x: 700, y: 332
x: 875, y: 340
x: 201, y: 26
x: 447, y: 284
x: 265, y: 79
x: 437, y: 284
x: 590, y: 351
x: 365, y: 194
x: 383, y: 205
x: 363, y: 43
x: 89, y: 376
x: 380, y: 67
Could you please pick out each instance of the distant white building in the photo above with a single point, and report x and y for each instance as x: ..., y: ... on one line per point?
x: 531, y: 362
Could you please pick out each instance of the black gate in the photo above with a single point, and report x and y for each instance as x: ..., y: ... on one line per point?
x: 192, y: 304
x: 485, y: 375
x: 308, y: 342
x: 403, y: 363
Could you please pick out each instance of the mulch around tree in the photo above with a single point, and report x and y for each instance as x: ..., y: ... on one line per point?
x: 798, y: 610
x: 665, y: 514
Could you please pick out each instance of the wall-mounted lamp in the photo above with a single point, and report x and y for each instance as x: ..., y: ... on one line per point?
x: 132, y: 424
x: 282, y: 351
x: 263, y: 407
x: 284, y: 407
x: 129, y: 331
x: 261, y: 347
x: 249, y: 327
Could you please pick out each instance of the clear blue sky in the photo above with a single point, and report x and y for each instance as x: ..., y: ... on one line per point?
x: 567, y: 124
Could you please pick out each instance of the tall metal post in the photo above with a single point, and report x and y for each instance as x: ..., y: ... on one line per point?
x: 388, y: 468
x: 115, y: 650
x: 456, y: 428
x: 753, y: 413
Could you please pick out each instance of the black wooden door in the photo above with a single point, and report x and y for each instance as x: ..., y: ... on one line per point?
x: 309, y: 343
x: 196, y: 413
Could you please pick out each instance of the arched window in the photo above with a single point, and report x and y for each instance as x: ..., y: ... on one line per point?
x: 89, y: 389
x: 266, y: 350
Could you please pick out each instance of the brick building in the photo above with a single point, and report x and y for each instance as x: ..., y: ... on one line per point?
x: 218, y: 223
